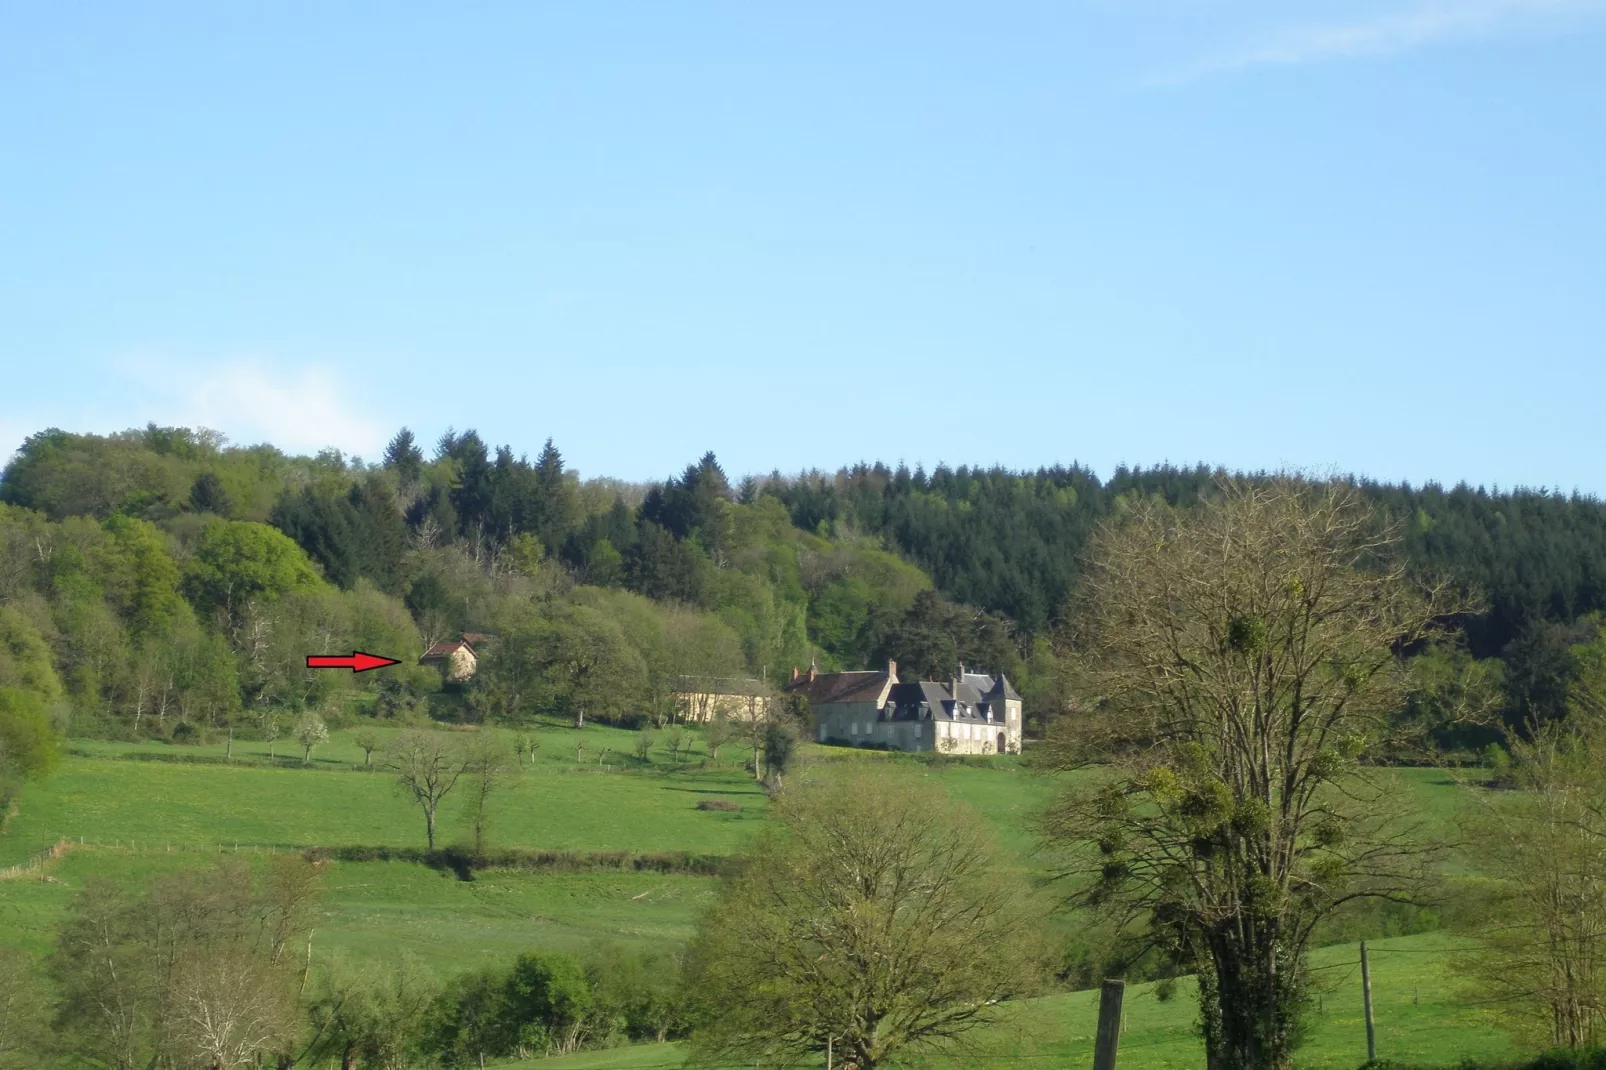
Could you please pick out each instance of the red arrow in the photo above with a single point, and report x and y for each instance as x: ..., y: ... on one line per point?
x: 356, y: 662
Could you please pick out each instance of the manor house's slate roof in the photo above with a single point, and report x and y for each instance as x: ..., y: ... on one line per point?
x: 987, y: 684
x: 972, y: 697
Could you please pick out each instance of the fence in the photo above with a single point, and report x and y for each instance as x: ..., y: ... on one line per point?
x: 34, y: 866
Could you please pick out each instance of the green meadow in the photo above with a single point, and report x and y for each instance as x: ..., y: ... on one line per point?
x: 113, y: 795
x: 129, y: 811
x: 1421, y: 1015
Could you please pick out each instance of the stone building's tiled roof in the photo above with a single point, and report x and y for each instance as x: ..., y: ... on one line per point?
x: 709, y: 685
x: 442, y: 651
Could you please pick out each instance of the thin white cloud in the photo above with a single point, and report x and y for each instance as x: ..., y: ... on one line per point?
x: 299, y: 410
x: 12, y: 432
x: 1395, y: 32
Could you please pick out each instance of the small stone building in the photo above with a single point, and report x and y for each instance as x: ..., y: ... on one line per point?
x: 457, y: 661
x: 971, y: 713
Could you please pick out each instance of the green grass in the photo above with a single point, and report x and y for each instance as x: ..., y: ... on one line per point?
x: 1422, y: 1017
x: 139, y: 817
x: 101, y: 796
x: 553, y: 805
x: 378, y: 911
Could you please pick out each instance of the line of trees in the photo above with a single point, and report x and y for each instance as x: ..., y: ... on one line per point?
x: 1013, y: 543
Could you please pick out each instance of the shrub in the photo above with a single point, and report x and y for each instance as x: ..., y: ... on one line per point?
x: 550, y: 1003
x: 722, y: 805
x: 1554, y: 1059
x: 464, y: 862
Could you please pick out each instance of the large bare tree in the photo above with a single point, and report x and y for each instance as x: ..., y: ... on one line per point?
x: 21, y: 1009
x: 1543, y: 930
x: 428, y: 765
x: 194, y: 969
x: 878, y: 919
x: 490, y: 764
x: 1237, y: 661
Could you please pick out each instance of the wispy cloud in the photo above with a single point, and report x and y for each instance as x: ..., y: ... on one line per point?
x: 299, y: 409
x: 12, y: 432
x: 1392, y: 33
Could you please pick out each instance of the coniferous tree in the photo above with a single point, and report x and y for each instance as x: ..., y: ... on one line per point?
x: 553, y: 504
x: 404, y: 457
x: 208, y: 496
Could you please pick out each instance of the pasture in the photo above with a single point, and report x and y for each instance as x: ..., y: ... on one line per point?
x: 1422, y: 1017
x: 127, y: 811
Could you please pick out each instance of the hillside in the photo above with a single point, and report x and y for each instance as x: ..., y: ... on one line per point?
x: 162, y: 581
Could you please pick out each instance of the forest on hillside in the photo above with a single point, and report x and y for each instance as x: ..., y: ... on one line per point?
x: 161, y: 581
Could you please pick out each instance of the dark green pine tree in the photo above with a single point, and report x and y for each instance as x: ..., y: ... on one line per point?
x: 472, y: 493
x: 403, y: 457
x: 208, y: 496
x: 553, y: 506
x: 384, y: 533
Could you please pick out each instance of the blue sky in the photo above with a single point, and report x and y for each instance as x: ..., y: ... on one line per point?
x: 1368, y: 236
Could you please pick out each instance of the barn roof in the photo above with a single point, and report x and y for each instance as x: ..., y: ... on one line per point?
x: 718, y: 685
x: 442, y: 651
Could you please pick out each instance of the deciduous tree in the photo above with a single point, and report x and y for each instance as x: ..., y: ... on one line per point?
x: 28, y: 744
x: 368, y: 740
x: 1543, y: 923
x: 878, y: 918
x: 22, y: 1010
x: 310, y: 731
x: 1238, y: 661
x: 716, y: 734
x: 490, y: 769
x: 192, y: 969
x: 428, y: 765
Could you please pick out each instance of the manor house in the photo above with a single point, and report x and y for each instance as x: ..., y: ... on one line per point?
x: 971, y: 713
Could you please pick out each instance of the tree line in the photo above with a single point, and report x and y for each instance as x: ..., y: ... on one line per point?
x: 1013, y: 543
x: 161, y: 581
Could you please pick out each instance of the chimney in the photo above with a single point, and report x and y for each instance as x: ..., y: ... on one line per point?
x: 892, y: 670
x: 794, y: 674
x: 814, y: 669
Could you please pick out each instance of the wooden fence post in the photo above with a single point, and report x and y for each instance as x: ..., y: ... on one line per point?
x: 1108, y: 1040
x: 1366, y: 998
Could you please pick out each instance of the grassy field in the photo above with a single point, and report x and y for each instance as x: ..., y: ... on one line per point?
x: 379, y: 911
x: 556, y: 804
x: 125, y: 817
x: 138, y: 811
